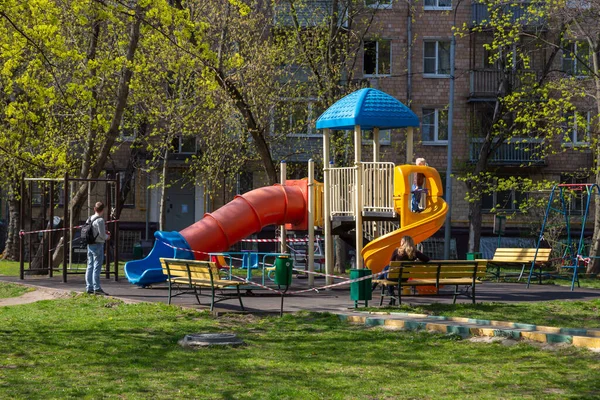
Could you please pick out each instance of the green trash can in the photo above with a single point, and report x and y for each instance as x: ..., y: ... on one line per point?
x: 283, y: 270
x: 137, y: 251
x: 474, y: 256
x: 360, y: 291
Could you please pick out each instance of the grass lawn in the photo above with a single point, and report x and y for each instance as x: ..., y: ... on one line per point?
x: 8, y: 290
x: 92, y: 347
x: 9, y: 268
x: 564, y: 314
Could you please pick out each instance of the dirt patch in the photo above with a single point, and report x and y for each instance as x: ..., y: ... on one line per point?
x: 32, y: 297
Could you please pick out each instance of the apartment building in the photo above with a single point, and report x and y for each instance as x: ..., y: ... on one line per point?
x: 406, y: 54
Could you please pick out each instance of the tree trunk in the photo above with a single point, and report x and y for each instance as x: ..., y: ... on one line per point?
x: 474, y: 225
x: 341, y: 252
x: 261, y: 145
x: 162, y: 207
x: 111, y: 135
x: 594, y: 266
x: 11, y: 249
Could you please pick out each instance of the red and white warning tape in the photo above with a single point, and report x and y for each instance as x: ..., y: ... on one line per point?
x: 315, y: 289
x: 319, y: 273
x: 23, y: 233
x: 289, y: 240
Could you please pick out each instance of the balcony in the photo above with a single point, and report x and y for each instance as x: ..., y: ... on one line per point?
x: 524, y: 152
x: 518, y: 12
x: 485, y: 83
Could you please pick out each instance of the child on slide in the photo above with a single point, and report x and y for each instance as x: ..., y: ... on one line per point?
x: 417, y: 187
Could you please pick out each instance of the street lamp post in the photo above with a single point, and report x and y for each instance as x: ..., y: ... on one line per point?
x: 447, y: 228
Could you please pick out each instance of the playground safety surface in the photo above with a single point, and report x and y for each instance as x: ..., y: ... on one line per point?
x: 335, y: 300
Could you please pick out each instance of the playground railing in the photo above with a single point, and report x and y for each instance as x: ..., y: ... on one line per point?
x: 343, y: 183
x: 378, y: 183
x: 374, y: 229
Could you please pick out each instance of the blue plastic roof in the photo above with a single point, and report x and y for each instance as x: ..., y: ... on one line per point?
x: 368, y: 108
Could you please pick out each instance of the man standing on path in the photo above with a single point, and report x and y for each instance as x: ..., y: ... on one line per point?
x: 95, y: 251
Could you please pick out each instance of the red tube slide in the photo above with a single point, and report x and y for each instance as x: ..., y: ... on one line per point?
x: 245, y: 215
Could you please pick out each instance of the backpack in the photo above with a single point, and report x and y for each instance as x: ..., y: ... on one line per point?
x: 87, y: 232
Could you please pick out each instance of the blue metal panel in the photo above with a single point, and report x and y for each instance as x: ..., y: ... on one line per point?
x: 148, y: 270
x: 368, y: 108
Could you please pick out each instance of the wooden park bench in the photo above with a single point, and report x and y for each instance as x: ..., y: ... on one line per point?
x: 434, y: 274
x: 195, y: 275
x: 517, y: 256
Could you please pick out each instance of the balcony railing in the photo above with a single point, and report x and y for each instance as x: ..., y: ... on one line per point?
x: 527, y: 151
x: 518, y: 11
x: 487, y: 82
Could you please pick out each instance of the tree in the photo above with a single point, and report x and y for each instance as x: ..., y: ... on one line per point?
x: 67, y: 71
x: 530, y: 105
x: 580, y: 17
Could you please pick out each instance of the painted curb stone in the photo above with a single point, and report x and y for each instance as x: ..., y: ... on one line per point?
x: 196, y: 340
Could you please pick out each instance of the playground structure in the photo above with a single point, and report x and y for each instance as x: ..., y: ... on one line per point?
x: 218, y: 231
x: 574, y: 253
x: 42, y: 232
x: 370, y: 197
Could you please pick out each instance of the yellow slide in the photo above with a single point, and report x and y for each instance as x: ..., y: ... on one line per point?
x: 420, y: 226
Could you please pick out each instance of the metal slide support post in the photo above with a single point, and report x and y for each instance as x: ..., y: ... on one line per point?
x: 116, y: 233
x: 311, y: 222
x: 358, y: 195
x: 51, y: 218
x: 67, y: 233
x: 448, y: 223
x: 326, y: 209
x: 283, y: 236
x: 375, y: 144
x: 375, y: 189
x: 22, y: 229
x: 409, y: 145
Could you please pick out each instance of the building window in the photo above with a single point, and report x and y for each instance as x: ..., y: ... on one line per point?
x: 184, y: 144
x: 245, y: 182
x: 576, y: 58
x: 438, y: 5
x: 129, y: 125
x: 378, y: 3
x: 385, y: 137
x: 577, y: 128
x: 436, y: 57
x: 130, y: 198
x: 507, y: 200
x: 434, y: 126
x: 490, y: 59
x: 377, y: 57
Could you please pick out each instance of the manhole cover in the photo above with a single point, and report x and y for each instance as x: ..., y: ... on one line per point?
x: 210, y: 339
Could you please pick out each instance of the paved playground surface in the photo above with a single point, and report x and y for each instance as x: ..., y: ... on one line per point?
x: 335, y: 300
